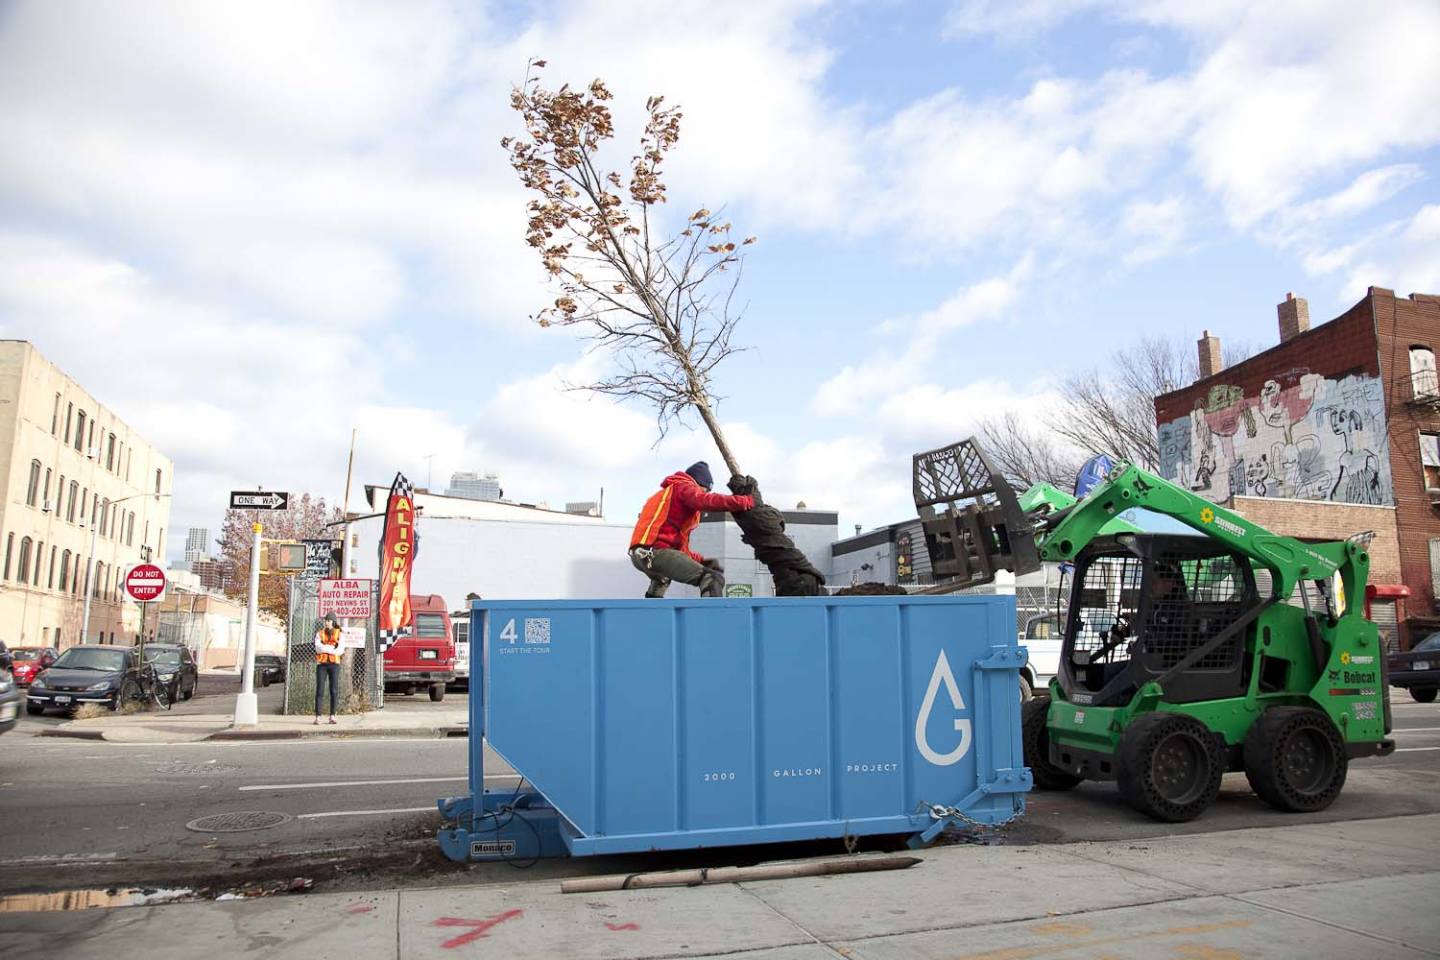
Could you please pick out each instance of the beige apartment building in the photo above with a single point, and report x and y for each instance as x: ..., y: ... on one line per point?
x: 74, y: 475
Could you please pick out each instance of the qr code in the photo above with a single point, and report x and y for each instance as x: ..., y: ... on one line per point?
x: 537, y: 630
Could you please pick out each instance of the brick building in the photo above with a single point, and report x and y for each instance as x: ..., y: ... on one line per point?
x: 1334, y: 431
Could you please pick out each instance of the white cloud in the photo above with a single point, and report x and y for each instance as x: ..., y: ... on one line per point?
x: 1156, y: 228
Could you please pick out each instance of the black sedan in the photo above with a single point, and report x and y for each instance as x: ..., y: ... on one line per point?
x: 1418, y: 669
x: 269, y: 668
x: 89, y: 673
x: 175, y: 666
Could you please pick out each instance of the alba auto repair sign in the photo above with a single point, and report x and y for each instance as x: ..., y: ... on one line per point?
x: 347, y: 599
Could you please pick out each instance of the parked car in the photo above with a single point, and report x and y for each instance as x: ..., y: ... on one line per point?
x: 1418, y: 669
x: 9, y: 702
x: 460, y: 630
x: 1043, y: 640
x: 175, y: 665
x: 270, y: 668
x: 88, y: 673
x: 29, y: 661
x: 426, y: 658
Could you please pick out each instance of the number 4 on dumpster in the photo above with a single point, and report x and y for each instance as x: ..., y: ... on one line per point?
x: 508, y: 634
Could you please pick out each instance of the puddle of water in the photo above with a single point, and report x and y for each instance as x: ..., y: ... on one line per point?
x: 89, y: 899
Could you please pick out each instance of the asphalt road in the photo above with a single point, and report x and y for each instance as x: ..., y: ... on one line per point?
x: 361, y: 812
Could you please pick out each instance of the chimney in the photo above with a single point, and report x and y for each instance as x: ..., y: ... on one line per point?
x: 1294, y: 317
x: 1210, y: 357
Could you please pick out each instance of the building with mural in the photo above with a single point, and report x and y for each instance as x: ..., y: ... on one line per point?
x: 1334, y: 431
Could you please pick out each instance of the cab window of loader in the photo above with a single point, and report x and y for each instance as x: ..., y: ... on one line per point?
x: 1109, y: 591
x: 1191, y: 599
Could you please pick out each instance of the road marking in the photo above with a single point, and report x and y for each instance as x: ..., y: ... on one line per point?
x: 1416, y: 749
x: 60, y: 860
x: 362, y: 813
x: 370, y: 783
x: 1416, y: 730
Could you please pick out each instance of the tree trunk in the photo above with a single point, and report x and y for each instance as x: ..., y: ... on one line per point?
x: 713, y: 425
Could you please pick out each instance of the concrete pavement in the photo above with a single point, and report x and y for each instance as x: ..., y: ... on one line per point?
x: 211, y: 718
x: 1350, y: 890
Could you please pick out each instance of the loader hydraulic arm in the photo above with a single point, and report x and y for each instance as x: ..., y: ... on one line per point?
x: 1289, y: 561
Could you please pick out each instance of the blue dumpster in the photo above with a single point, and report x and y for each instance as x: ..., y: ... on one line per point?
x: 673, y: 724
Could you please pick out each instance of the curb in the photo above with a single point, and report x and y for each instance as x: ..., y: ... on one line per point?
x: 437, y: 733
x: 72, y: 734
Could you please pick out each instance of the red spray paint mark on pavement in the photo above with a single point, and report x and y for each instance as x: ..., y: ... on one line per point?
x: 622, y: 926
x: 478, y: 927
x: 361, y: 908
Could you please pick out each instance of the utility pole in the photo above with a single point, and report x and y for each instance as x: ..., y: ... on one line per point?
x: 89, y: 563
x: 247, y: 706
x: 345, y: 511
x: 429, y: 471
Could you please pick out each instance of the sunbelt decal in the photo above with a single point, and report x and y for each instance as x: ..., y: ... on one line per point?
x: 1207, y: 517
x: 942, y: 675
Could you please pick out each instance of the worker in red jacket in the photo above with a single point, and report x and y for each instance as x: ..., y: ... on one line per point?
x: 660, y: 545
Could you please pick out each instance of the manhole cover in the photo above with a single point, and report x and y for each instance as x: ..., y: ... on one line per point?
x: 238, y: 822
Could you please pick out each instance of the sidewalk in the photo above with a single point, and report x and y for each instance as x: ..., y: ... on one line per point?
x: 201, y: 719
x: 1361, y: 889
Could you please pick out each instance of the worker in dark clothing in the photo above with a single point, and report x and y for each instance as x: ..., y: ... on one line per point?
x: 660, y: 545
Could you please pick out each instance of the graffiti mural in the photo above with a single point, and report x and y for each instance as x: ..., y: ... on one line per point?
x: 1303, y: 437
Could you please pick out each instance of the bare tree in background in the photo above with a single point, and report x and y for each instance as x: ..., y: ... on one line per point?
x: 660, y: 302
x: 1109, y: 410
x: 1026, y: 455
x: 305, y: 519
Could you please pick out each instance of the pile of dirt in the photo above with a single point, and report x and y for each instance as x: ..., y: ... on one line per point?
x: 872, y: 589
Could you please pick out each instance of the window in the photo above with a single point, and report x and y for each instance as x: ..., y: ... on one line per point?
x: 1434, y: 566
x: 130, y: 530
x: 50, y: 584
x: 157, y: 483
x: 55, y: 418
x: 80, y: 432
x: 84, y: 499
x: 110, y: 454
x: 65, y: 570
x: 69, y: 415
x: 46, y: 495
x: 128, y: 456
x: 90, y: 444
x: 39, y: 562
x: 1424, y: 381
x: 95, y: 508
x: 74, y: 493
x: 105, y: 517
x: 22, y: 571
x: 9, y: 546
x: 32, y: 491
x: 160, y: 543
x: 1430, y: 461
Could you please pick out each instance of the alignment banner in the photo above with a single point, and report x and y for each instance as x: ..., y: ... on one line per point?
x: 397, y: 557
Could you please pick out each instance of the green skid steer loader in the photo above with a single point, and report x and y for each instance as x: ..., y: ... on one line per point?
x: 1185, y: 655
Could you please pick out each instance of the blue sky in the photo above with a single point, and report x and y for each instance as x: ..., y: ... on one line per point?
x: 958, y: 205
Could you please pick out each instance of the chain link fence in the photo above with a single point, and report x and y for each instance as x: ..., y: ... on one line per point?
x: 361, y: 669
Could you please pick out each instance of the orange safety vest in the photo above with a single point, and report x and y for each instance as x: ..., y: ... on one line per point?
x: 329, y: 638
x: 652, y: 518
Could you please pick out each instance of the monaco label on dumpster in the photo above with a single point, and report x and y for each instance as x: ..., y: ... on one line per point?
x: 144, y: 583
x: 672, y: 724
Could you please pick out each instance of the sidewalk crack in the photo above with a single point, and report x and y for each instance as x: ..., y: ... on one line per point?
x: 790, y: 920
x: 1242, y: 898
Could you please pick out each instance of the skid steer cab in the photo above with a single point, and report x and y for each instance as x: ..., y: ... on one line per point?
x: 1188, y: 656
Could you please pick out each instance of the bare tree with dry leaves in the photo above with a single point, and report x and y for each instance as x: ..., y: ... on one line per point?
x: 662, y: 303
x: 659, y: 299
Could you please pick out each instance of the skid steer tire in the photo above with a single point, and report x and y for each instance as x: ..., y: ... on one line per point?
x: 1295, y: 759
x: 1036, y: 740
x: 1169, y: 766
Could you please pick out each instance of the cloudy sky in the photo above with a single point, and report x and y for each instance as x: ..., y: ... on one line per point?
x: 249, y: 227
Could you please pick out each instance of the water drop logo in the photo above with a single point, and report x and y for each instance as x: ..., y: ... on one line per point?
x: 942, y: 674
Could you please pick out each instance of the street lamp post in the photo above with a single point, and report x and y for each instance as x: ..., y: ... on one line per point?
x: 90, y: 561
x: 247, y: 705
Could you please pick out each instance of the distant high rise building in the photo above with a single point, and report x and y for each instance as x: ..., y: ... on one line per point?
x: 197, y: 544
x: 473, y: 486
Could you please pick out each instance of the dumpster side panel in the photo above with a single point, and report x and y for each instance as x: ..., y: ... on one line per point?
x: 669, y: 724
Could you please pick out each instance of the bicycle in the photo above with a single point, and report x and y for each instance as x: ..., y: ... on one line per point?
x: 147, y: 686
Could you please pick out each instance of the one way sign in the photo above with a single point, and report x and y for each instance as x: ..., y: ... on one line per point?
x: 259, y: 500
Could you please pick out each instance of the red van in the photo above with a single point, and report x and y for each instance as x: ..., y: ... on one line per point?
x: 426, y: 658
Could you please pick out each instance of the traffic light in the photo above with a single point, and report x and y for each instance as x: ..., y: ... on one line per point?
x: 290, y: 557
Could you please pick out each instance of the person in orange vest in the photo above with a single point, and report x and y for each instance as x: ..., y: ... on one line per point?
x: 660, y: 545
x: 327, y: 663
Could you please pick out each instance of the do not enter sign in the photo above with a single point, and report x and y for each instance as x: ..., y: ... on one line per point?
x: 145, y: 582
